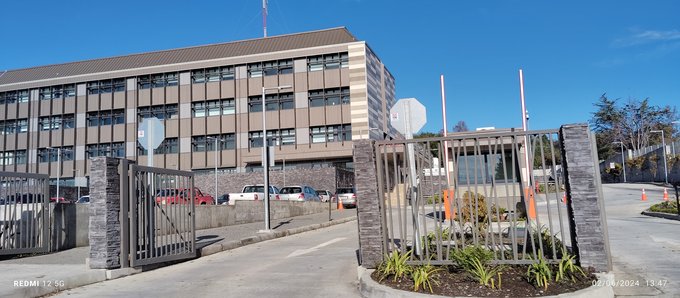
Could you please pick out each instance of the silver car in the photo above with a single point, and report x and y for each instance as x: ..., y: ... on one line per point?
x: 325, y: 195
x: 347, y: 196
x: 298, y: 193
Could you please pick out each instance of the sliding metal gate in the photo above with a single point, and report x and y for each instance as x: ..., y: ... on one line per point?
x: 161, y: 220
x: 24, y: 213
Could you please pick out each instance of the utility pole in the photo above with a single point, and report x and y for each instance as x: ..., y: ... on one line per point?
x: 264, y: 17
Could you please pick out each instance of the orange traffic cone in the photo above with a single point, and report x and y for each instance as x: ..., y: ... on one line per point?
x: 665, y: 194
x: 564, y: 198
x: 340, y: 207
x: 532, y: 203
x: 644, y: 195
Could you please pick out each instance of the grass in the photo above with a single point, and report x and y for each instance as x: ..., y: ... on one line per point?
x: 665, y: 207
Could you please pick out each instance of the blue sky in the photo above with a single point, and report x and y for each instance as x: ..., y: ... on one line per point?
x: 571, y: 51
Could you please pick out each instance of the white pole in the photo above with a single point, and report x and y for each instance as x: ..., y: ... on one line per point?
x: 446, y: 143
x: 264, y: 17
x: 58, y: 170
x: 525, y: 128
x: 623, y: 161
x: 665, y: 166
x: 265, y: 162
x: 216, y: 151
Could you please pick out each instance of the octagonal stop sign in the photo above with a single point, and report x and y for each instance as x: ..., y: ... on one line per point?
x: 151, y: 133
x: 408, y: 116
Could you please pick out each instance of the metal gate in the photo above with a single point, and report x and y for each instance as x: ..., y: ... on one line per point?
x: 161, y: 224
x: 474, y: 189
x: 24, y: 213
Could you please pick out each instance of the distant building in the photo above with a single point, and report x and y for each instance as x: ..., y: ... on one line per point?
x: 340, y: 91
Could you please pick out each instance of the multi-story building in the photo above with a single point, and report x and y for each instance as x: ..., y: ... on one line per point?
x: 339, y: 91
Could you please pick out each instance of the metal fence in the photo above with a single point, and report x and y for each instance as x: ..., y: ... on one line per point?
x: 161, y: 222
x: 24, y: 213
x: 483, y: 196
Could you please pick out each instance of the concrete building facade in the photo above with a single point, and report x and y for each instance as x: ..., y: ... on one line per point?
x: 339, y: 91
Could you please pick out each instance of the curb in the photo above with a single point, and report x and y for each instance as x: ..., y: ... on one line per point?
x: 369, y: 288
x: 661, y: 215
x: 98, y: 275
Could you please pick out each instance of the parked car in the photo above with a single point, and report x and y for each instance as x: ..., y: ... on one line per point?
x: 223, y: 199
x: 254, y: 193
x: 347, y: 196
x: 182, y: 196
x: 59, y: 200
x: 83, y: 200
x: 325, y: 195
x: 299, y: 193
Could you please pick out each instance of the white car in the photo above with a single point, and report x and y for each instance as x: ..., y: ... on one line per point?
x: 83, y: 200
x: 299, y: 193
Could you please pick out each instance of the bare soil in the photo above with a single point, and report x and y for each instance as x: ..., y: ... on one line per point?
x: 514, y: 284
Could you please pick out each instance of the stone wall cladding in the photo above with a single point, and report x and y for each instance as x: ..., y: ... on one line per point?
x: 586, y: 209
x: 104, y: 233
x: 368, y: 205
x: 319, y: 179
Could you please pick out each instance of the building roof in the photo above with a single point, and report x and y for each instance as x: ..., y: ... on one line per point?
x: 222, y: 50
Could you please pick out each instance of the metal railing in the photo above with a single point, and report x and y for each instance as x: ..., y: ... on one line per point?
x: 490, y: 199
x: 161, y: 222
x: 24, y: 213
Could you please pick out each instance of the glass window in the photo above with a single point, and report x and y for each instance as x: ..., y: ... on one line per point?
x: 93, y: 119
x: 105, y: 86
x: 158, y: 80
x: 6, y: 158
x: 22, y: 125
x: 228, y: 106
x: 93, y: 88
x: 213, y: 107
x: 198, y: 109
x: 198, y: 76
x: 255, y: 104
x: 20, y: 157
x: 255, y: 139
x: 271, y: 102
x: 227, y: 73
x: 118, y: 85
x: 22, y: 96
x: 168, y: 146
x: 287, y: 101
x: 144, y: 82
x: 316, y: 98
x: 270, y: 68
x: 69, y: 90
x: 288, y: 136
x: 118, y: 116
x: 212, y: 74
x: 315, y: 63
x: 254, y: 70
x: 172, y: 79
x: 318, y: 134
x: 45, y: 93
x: 286, y: 66
x: 344, y: 60
x: 198, y: 144
x: 229, y: 141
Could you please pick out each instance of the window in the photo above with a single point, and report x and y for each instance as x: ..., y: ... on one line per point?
x: 273, y: 102
x: 214, y: 107
x: 329, y: 97
x: 254, y: 70
x: 105, y: 86
x: 112, y: 149
x: 14, y: 126
x: 60, y: 91
x: 212, y: 74
x: 274, y: 138
x: 328, y: 61
x: 198, y: 109
x: 227, y: 73
x: 21, y: 125
x: 20, y: 157
x: 331, y: 133
x: 168, y: 146
x: 118, y: 85
x: 56, y: 122
x: 207, y: 143
x: 255, y: 139
x: 22, y: 96
x: 270, y: 68
x: 158, y: 80
x: 106, y: 117
x: 228, y: 106
x: 161, y: 112
x: 198, y: 76
x: 51, y: 154
x: 7, y: 158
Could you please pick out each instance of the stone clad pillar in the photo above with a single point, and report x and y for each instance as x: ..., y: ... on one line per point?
x: 368, y: 205
x: 105, y: 228
x: 587, y: 220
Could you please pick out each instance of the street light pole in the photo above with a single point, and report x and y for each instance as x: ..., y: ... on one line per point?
x: 623, y: 161
x: 216, y: 152
x: 265, y: 156
x: 673, y: 142
x: 663, y: 144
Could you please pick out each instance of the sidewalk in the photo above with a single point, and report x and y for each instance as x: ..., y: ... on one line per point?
x: 45, y: 274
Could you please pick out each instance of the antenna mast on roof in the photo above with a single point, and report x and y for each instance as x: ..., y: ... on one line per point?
x: 264, y: 17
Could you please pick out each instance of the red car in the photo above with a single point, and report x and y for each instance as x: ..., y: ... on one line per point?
x: 59, y: 200
x: 182, y: 196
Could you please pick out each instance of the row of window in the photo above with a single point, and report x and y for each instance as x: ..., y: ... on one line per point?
x: 161, y: 112
x: 207, y: 143
x: 274, y: 138
x: 331, y: 133
x: 213, y: 107
x: 52, y: 154
x: 158, y: 80
x: 14, y: 126
x: 329, y: 97
x: 273, y: 102
x: 106, y: 149
x: 328, y: 61
x: 58, y: 91
x: 214, y: 74
x: 270, y: 68
x: 105, y: 86
x: 13, y: 157
x: 57, y: 122
x: 106, y: 117
x: 14, y: 96
x: 169, y: 145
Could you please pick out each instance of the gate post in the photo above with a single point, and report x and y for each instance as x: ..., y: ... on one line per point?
x: 587, y: 220
x: 105, y: 228
x: 368, y: 204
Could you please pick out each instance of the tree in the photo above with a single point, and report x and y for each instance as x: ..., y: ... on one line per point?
x: 460, y: 126
x: 630, y: 124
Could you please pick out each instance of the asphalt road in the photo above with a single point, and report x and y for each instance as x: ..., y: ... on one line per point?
x: 645, y: 250
x: 320, y: 263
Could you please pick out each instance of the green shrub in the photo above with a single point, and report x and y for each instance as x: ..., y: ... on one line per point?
x: 465, y: 257
x: 539, y: 273
x: 543, y: 236
x: 666, y: 207
x: 434, y: 199
x: 485, y: 274
x: 395, y: 264
x: 424, y: 276
x: 568, y: 268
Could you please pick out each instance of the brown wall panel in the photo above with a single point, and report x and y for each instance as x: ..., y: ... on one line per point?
x: 172, y: 94
x: 11, y: 111
x: 172, y: 128
x: 58, y: 106
x: 157, y: 96
x: 185, y: 161
x: 69, y: 137
x: 213, y: 125
x: 198, y: 92
x: 287, y: 119
x: 344, y: 76
x: 43, y: 167
x: 144, y: 97
x: 69, y: 105
x: 317, y: 116
x: 92, y: 135
x: 254, y: 122
x: 334, y: 114
x: 131, y: 133
x: 255, y: 86
x: 346, y: 116
x: 106, y: 101
x: 118, y: 133
x: 315, y: 80
x: 198, y: 126
x: 11, y: 141
x: 23, y: 110
x: 228, y: 89
x: 198, y: 160
x: 131, y: 99
x: 272, y: 120
x: 81, y: 104
x: 171, y: 161
x: 119, y: 100
x: 271, y: 81
x: 56, y: 138
x: 286, y: 80
x: 185, y: 127
x: 105, y: 134
x: 93, y: 103
x: 228, y: 123
x: 44, y: 138
x: 45, y: 107
x: 66, y: 169
x: 332, y: 78
x: 212, y: 90
x: 228, y: 158
x: 302, y: 117
x: 185, y: 93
